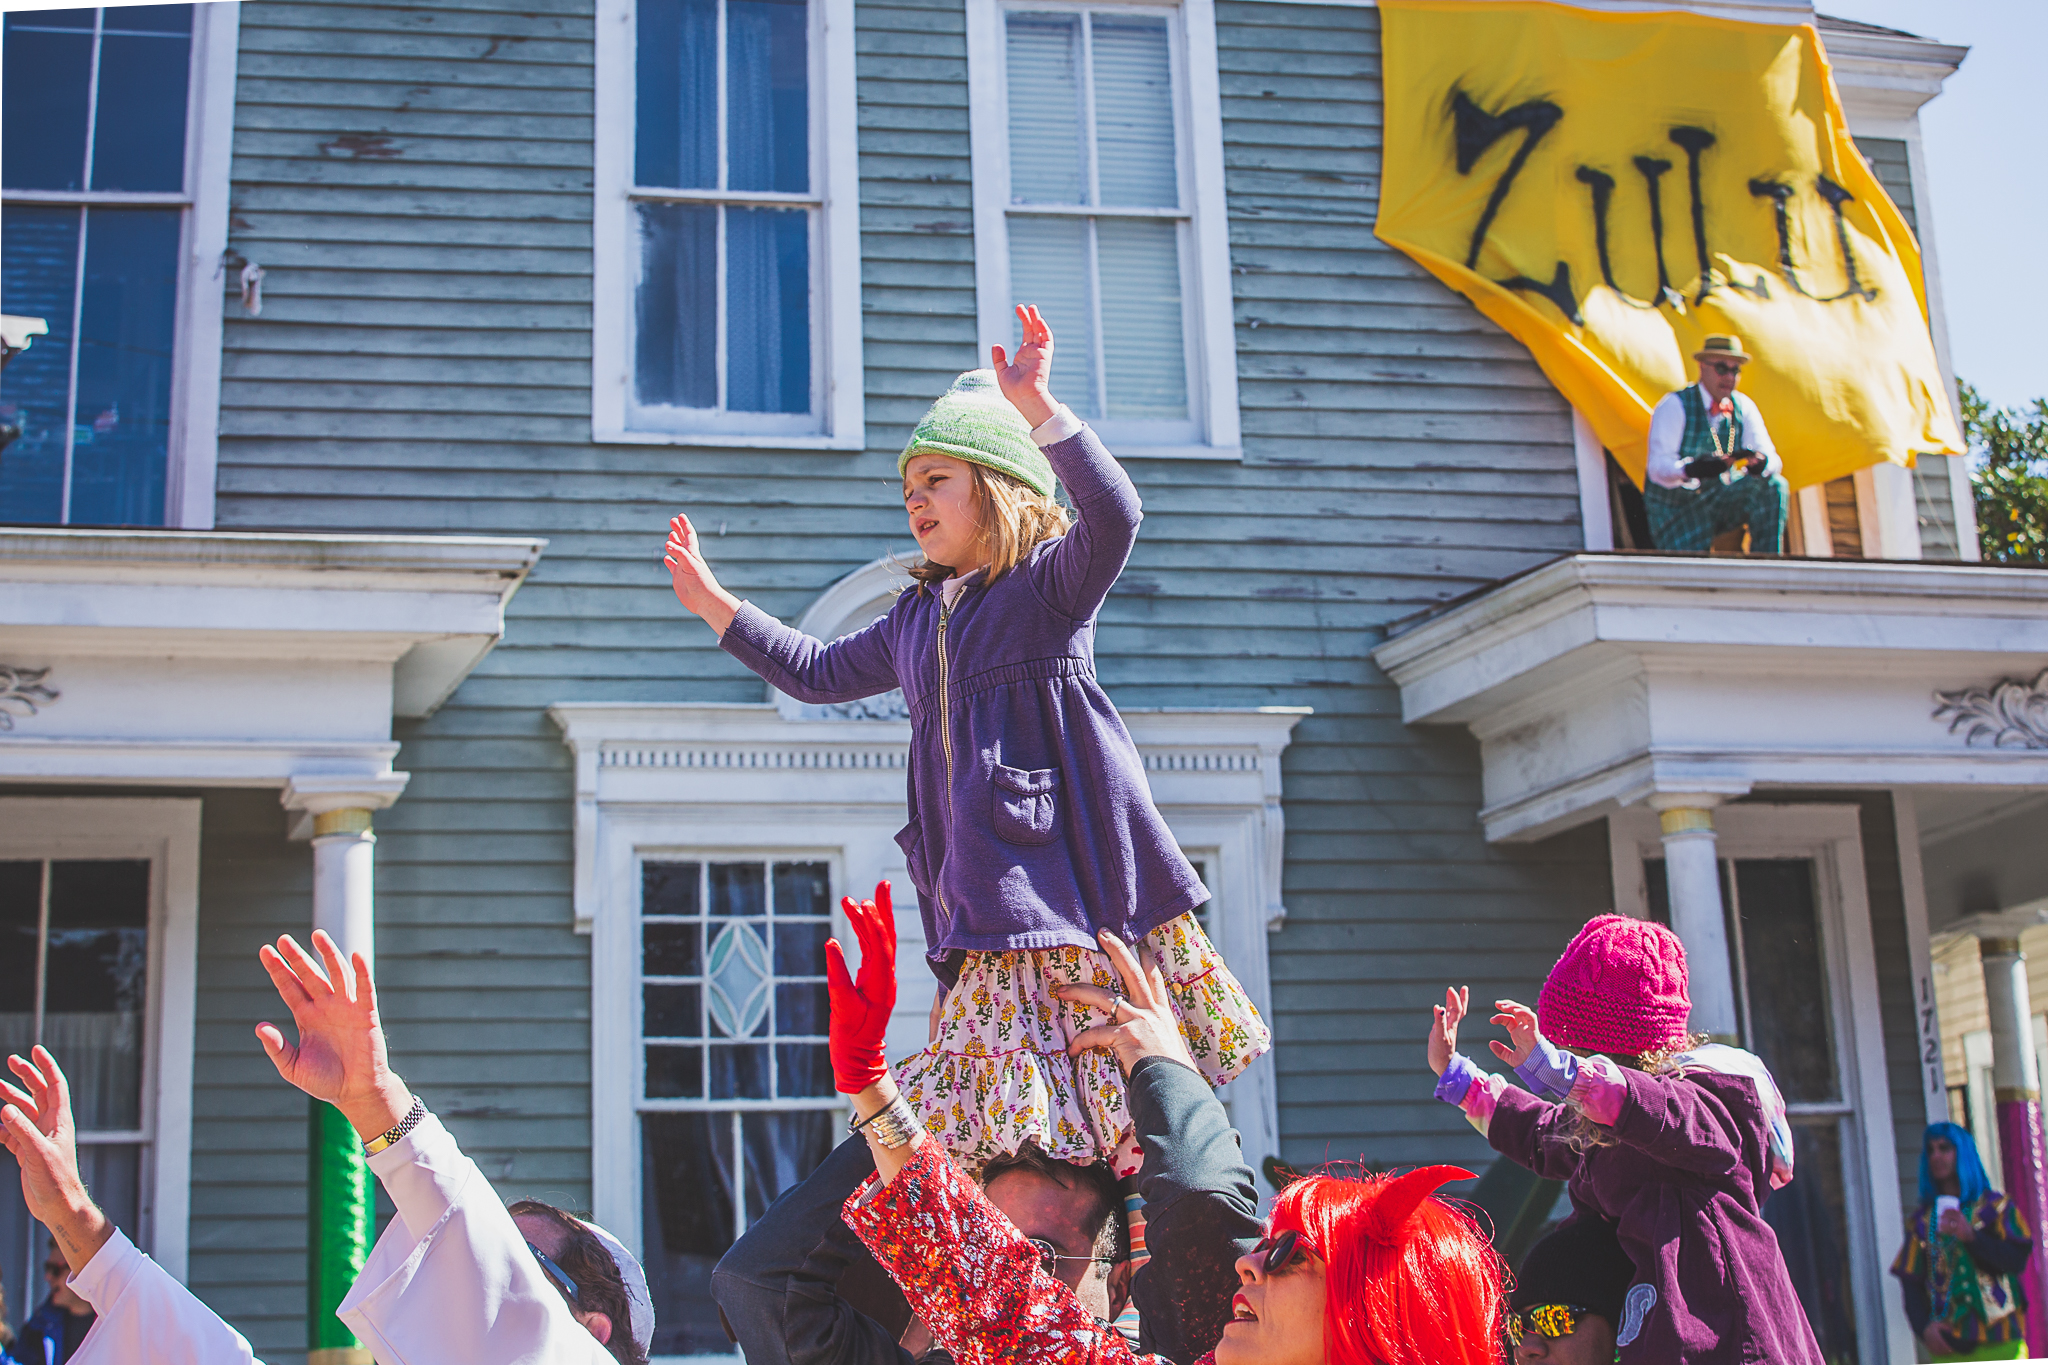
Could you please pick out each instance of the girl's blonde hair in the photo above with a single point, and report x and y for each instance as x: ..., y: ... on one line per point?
x: 1582, y: 1134
x: 1015, y: 517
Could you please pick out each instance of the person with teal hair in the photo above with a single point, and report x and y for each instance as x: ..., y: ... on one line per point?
x: 1965, y: 1249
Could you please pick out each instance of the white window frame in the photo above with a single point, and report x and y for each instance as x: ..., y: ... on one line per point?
x: 202, y: 245
x: 1209, y: 327
x: 166, y: 832
x: 1831, y: 836
x: 838, y: 418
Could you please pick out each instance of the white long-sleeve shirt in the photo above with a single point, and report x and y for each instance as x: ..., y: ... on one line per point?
x: 450, y: 1282
x: 1667, y: 429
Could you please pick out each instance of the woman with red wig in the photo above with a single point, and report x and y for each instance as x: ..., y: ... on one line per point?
x: 1373, y: 1270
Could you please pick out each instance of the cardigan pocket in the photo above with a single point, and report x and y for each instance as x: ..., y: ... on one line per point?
x: 911, y: 840
x: 1026, y: 804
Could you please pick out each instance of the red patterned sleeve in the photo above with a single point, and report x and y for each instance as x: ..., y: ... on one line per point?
x: 971, y: 1276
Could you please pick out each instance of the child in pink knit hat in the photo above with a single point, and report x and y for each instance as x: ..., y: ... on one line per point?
x: 1674, y: 1140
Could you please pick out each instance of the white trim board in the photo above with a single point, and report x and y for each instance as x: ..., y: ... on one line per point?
x: 839, y: 381
x: 165, y: 831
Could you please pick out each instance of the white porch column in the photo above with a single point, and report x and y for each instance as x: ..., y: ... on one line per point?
x: 1692, y: 873
x: 337, y: 813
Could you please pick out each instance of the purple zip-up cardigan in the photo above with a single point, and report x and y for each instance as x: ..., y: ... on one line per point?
x: 1684, y: 1184
x: 1031, y: 822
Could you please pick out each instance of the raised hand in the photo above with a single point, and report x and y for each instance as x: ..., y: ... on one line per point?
x: 36, y: 1129
x: 1026, y: 378
x: 1520, y: 1022
x: 861, y: 1008
x: 1443, y: 1029
x: 696, y: 586
x: 1140, y: 1023
x: 340, y: 1056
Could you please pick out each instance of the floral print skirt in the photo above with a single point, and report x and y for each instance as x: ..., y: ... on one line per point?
x: 998, y: 1073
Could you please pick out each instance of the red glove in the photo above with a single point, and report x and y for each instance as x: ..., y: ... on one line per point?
x: 860, y: 1009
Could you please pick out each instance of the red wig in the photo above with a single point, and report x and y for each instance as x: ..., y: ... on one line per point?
x: 1412, y: 1279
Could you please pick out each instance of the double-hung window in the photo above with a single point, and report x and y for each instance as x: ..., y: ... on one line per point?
x: 720, y: 207
x: 1097, y: 146
x: 735, y: 1099
x: 115, y: 405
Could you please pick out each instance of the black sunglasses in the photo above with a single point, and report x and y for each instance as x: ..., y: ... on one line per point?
x: 1049, y: 1256
x: 1722, y: 367
x: 1281, y: 1251
x: 554, y: 1272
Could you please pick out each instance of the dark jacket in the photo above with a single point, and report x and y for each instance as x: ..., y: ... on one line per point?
x: 1683, y: 1183
x: 1031, y: 822
x: 801, y: 1289
x: 51, y: 1336
x: 1201, y: 1210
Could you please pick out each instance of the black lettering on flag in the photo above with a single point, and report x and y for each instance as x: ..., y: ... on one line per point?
x: 1476, y: 130
x: 1836, y: 197
x: 1653, y: 169
x: 1603, y: 199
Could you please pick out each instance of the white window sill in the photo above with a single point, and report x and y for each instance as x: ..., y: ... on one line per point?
x: 729, y: 440
x: 1193, y: 452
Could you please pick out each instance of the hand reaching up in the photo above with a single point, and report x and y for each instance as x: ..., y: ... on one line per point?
x: 861, y: 1008
x: 1520, y: 1022
x: 1443, y: 1029
x: 1026, y: 378
x: 36, y: 1129
x: 340, y: 1056
x: 688, y: 573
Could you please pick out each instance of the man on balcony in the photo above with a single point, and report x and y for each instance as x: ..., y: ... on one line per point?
x: 1712, y: 468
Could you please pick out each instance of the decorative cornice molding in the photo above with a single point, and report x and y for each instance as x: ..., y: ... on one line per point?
x: 2011, y: 714
x: 22, y: 693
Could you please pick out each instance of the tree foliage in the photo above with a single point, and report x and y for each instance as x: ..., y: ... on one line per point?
x: 2009, y: 477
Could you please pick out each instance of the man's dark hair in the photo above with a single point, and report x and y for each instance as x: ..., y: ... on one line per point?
x: 1096, y: 1179
x: 600, y: 1288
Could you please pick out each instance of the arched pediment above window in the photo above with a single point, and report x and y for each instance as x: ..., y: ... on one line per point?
x: 841, y: 609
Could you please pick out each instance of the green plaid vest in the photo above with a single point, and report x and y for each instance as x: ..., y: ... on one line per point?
x: 1699, y: 436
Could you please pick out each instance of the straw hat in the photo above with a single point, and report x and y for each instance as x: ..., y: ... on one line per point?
x: 1719, y: 347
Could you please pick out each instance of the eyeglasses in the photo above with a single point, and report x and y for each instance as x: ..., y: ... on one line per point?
x: 1724, y: 369
x: 554, y: 1272
x: 1049, y: 1256
x: 1545, y: 1319
x: 1281, y: 1251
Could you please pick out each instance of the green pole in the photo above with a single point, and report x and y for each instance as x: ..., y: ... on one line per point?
x: 338, y: 1226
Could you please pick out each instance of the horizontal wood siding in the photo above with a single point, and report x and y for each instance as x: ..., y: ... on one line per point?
x: 1933, y: 493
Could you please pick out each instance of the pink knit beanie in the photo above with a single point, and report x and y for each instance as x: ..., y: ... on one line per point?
x: 1619, y: 988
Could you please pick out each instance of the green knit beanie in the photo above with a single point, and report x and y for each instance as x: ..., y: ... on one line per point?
x: 972, y: 421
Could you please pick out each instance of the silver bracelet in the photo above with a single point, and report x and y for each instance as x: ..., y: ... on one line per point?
x: 892, y: 1125
x: 413, y: 1117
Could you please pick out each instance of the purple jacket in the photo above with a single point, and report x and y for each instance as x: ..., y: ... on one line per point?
x: 1683, y: 1183
x: 1031, y: 823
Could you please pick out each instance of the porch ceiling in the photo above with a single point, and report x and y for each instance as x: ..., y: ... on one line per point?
x: 1598, y: 680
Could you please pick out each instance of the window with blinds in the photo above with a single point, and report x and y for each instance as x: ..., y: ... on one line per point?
x: 1097, y: 216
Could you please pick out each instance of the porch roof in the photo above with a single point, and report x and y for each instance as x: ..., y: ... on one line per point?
x: 1599, y: 679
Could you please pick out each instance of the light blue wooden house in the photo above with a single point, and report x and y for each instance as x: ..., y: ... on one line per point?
x: 384, y: 339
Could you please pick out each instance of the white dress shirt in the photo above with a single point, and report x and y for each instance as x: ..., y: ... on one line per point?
x: 1667, y: 429
x: 450, y: 1282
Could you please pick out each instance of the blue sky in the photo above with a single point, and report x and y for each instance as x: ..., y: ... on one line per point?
x: 1988, y: 158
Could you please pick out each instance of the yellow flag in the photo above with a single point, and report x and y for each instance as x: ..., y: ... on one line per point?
x: 1613, y: 188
